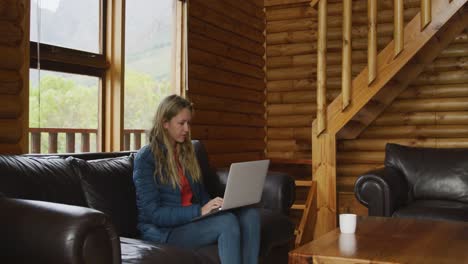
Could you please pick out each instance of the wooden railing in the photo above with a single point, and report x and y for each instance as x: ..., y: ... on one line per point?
x: 85, y: 144
x: 371, y: 91
x: 137, y: 138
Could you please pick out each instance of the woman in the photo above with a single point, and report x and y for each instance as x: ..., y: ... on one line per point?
x: 170, y: 193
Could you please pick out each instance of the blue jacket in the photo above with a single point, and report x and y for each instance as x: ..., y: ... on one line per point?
x: 160, y: 205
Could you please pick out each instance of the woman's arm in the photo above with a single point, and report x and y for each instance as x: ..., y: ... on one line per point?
x: 205, y: 197
x: 149, y: 197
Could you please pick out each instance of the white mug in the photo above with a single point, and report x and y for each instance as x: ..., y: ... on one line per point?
x: 348, y: 223
x: 347, y: 244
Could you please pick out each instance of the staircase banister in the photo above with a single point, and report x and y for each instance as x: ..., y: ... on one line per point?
x: 388, y: 65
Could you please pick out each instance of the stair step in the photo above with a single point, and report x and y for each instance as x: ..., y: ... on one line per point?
x: 349, y: 130
x: 363, y: 118
x: 298, y: 206
x: 303, y: 183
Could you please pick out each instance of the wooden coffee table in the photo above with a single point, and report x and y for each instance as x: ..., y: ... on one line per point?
x: 389, y: 240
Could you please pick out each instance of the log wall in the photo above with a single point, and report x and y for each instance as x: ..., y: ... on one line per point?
x: 291, y: 72
x: 291, y: 29
x: 431, y: 112
x: 291, y: 48
x: 14, y: 76
x: 227, y: 79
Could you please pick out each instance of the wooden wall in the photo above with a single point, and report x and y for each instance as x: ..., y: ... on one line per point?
x: 226, y: 78
x: 432, y: 112
x: 290, y: 80
x: 290, y: 72
x: 14, y: 76
x: 291, y: 43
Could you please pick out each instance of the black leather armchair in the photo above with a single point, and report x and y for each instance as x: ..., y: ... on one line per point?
x: 419, y: 183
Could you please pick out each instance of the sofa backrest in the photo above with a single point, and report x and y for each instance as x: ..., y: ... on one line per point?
x: 212, y: 182
x: 45, y: 179
x: 102, y: 181
x: 84, y: 155
x: 438, y: 174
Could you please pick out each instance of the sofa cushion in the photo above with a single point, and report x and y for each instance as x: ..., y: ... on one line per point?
x: 435, y: 210
x: 439, y: 174
x: 46, y: 179
x: 108, y: 187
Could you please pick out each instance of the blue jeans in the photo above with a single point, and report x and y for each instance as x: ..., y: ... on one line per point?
x: 237, y: 233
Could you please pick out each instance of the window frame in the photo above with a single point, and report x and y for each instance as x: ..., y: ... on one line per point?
x: 60, y: 59
x: 68, y: 60
x: 109, y: 67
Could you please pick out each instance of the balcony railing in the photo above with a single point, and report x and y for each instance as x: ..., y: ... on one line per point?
x: 133, y: 139
x: 135, y: 136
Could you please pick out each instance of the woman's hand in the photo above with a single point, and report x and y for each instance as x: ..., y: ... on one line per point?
x: 212, y: 204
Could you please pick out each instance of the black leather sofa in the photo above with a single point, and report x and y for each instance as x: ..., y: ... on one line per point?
x: 81, y: 208
x: 425, y: 183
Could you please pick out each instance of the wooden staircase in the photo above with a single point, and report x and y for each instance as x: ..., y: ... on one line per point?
x: 309, y: 208
x: 305, y: 207
x: 367, y: 96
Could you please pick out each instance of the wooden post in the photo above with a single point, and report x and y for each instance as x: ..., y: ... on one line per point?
x: 22, y: 8
x: 97, y: 142
x: 372, y: 40
x: 322, y: 67
x: 324, y: 172
x: 112, y: 115
x: 70, y: 142
x: 179, y: 78
x: 346, y: 73
x: 126, y: 141
x: 426, y: 13
x: 84, y: 142
x: 147, y: 136
x: 52, y: 142
x: 398, y: 31
x: 35, y: 142
x: 137, y: 140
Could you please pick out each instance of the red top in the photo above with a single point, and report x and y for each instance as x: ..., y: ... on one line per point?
x: 185, y: 189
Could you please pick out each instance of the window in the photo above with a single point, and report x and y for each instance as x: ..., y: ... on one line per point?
x: 69, y: 24
x: 77, y: 80
x: 149, y: 64
x: 67, y: 69
x: 64, y: 115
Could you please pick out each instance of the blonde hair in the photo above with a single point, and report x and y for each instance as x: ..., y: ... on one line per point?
x: 163, y: 150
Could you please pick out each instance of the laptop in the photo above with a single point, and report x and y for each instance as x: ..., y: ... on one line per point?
x: 244, y: 185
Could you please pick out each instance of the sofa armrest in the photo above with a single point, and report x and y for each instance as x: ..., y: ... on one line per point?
x: 382, y: 191
x: 43, y: 232
x: 278, y: 191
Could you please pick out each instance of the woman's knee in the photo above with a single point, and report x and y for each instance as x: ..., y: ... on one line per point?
x: 249, y: 215
x: 228, y: 219
x: 225, y: 221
